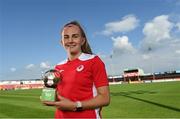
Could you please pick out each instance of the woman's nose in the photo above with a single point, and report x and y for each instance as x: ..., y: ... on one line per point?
x: 71, y: 39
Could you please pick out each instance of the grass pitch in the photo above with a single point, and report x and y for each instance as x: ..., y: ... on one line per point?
x: 153, y: 100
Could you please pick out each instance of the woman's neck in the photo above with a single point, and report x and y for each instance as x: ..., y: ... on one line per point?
x: 72, y: 56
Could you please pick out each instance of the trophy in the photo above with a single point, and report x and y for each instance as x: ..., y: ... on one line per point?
x: 51, y: 78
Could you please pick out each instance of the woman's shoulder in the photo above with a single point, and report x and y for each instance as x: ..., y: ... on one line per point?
x: 60, y: 65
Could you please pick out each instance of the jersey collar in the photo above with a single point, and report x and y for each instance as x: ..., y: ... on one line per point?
x: 82, y: 57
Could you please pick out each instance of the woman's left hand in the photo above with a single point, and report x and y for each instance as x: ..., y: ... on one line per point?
x: 63, y: 104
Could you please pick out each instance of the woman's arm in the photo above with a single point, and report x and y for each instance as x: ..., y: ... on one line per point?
x: 102, y: 99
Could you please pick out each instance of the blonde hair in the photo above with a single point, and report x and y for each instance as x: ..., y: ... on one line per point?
x: 85, y: 47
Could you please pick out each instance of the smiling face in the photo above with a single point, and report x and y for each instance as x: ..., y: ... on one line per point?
x: 72, y: 39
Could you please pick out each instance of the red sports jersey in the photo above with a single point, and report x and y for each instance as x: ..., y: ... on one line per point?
x: 80, y: 79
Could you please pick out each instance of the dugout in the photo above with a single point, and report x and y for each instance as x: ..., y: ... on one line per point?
x: 132, y: 74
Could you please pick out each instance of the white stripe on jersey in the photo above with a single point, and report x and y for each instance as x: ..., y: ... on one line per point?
x: 97, y: 109
x: 84, y: 57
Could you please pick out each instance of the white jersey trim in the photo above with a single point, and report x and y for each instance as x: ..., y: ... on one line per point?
x: 97, y: 110
x: 84, y: 56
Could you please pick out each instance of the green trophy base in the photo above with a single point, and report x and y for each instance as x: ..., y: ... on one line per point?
x: 48, y: 94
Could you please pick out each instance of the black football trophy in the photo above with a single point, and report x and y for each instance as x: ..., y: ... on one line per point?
x: 50, y: 78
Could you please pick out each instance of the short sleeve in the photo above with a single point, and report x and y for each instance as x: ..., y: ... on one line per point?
x: 99, y: 73
x: 57, y: 74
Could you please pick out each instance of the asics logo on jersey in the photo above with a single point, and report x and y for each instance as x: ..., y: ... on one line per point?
x: 80, y: 68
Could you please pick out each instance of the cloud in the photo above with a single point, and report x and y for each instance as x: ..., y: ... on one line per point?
x: 30, y: 66
x: 177, y: 51
x: 21, y: 74
x: 128, y: 23
x: 45, y: 65
x: 163, y: 49
x: 122, y: 44
x: 156, y: 32
x: 164, y: 59
x: 33, y: 72
x: 13, y: 69
x: 145, y: 56
x: 178, y: 26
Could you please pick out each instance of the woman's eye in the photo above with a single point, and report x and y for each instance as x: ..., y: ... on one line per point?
x: 66, y: 37
x: 75, y: 36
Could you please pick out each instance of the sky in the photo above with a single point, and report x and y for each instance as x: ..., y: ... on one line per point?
x: 125, y: 34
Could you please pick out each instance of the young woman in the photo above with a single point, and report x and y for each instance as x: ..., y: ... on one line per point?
x: 84, y: 88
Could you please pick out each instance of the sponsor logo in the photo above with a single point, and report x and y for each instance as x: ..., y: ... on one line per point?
x: 80, y: 68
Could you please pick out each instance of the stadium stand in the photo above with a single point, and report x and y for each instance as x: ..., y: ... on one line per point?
x: 129, y: 76
x: 137, y: 76
x: 26, y: 84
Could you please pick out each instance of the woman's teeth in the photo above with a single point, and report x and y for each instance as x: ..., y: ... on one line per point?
x: 71, y: 46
